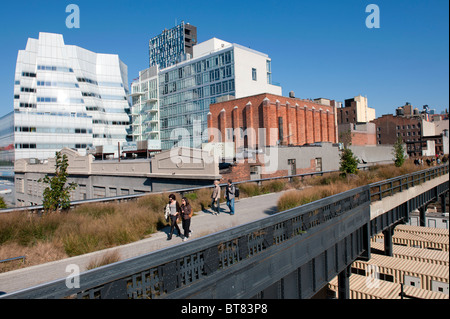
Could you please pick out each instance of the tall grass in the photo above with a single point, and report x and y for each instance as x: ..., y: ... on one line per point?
x: 92, y: 227
x: 107, y: 258
x: 334, y: 183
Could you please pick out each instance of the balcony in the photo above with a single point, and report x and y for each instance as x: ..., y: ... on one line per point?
x: 136, y: 93
x: 150, y: 108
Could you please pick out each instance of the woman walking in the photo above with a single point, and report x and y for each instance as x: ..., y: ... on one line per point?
x: 186, y: 214
x: 174, y: 213
x: 215, y: 198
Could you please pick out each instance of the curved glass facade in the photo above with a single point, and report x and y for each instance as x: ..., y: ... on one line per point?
x: 7, y: 140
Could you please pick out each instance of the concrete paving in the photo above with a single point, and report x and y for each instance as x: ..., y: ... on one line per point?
x: 202, y: 223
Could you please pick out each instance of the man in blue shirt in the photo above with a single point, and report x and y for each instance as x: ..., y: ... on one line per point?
x: 230, y: 194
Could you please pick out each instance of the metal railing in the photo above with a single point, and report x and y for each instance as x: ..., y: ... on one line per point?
x: 12, y: 259
x: 391, y: 186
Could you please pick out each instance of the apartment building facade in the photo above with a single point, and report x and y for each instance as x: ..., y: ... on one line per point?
x: 355, y: 110
x: 172, y: 46
x: 218, y: 71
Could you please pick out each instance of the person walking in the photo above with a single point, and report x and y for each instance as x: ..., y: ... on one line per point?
x: 174, y: 213
x: 215, y: 198
x: 230, y: 195
x: 186, y: 214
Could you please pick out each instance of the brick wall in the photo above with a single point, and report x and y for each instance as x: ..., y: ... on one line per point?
x: 302, y: 121
x: 241, y: 171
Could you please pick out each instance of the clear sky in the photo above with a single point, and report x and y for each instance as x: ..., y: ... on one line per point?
x: 318, y: 48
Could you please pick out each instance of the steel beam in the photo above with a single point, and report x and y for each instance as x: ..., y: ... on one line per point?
x: 388, y: 249
x: 344, y: 283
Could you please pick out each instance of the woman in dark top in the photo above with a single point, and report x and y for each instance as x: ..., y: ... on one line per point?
x: 186, y: 214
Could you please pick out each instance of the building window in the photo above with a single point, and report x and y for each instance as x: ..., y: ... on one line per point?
x: 254, y: 74
x: 29, y: 74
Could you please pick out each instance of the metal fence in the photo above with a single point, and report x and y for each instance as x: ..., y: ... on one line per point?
x: 391, y: 186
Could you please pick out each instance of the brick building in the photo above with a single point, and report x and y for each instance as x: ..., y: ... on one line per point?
x: 287, y: 121
x: 390, y: 127
x: 355, y: 110
x: 360, y: 134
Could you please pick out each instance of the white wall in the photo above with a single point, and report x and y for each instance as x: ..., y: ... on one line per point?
x: 428, y: 128
x: 430, y: 150
x: 245, y: 60
x: 364, y: 113
x: 209, y: 46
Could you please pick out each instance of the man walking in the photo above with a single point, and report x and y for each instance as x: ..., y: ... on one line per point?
x: 230, y: 195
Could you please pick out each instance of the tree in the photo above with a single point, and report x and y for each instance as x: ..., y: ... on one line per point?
x: 349, y: 162
x: 399, y: 152
x: 57, y: 194
x: 2, y: 203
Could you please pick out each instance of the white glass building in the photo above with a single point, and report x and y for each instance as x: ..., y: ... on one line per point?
x: 217, y: 71
x: 67, y: 96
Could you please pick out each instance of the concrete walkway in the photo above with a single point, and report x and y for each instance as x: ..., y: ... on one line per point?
x: 203, y: 223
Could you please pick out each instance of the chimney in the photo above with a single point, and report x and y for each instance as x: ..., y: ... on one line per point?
x: 292, y: 94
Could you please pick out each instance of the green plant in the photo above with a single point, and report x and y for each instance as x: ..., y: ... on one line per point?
x: 57, y: 194
x: 399, y: 153
x: 2, y: 203
x: 349, y: 162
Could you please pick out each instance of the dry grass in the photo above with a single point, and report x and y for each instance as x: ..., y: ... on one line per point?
x: 37, y: 254
x: 107, y: 258
x: 324, y: 186
x: 93, y: 227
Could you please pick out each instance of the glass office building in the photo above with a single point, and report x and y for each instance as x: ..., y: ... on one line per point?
x: 186, y: 93
x: 217, y: 71
x: 67, y: 96
x: 7, y: 139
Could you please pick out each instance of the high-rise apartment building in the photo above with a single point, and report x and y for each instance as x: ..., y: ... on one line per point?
x: 172, y: 46
x: 217, y: 71
x: 67, y: 96
x: 145, y: 106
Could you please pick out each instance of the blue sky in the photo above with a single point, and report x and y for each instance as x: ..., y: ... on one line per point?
x: 318, y: 48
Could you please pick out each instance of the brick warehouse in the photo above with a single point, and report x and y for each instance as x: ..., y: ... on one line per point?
x: 286, y: 120
x: 290, y: 123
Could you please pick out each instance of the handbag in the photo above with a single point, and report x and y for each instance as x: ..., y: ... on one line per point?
x: 167, y: 212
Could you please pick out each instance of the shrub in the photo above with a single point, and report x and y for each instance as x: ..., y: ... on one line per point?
x: 2, y: 203
x: 274, y: 186
x: 349, y: 162
x: 249, y: 189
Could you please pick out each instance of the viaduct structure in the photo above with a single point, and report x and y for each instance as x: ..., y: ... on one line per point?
x: 291, y: 254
